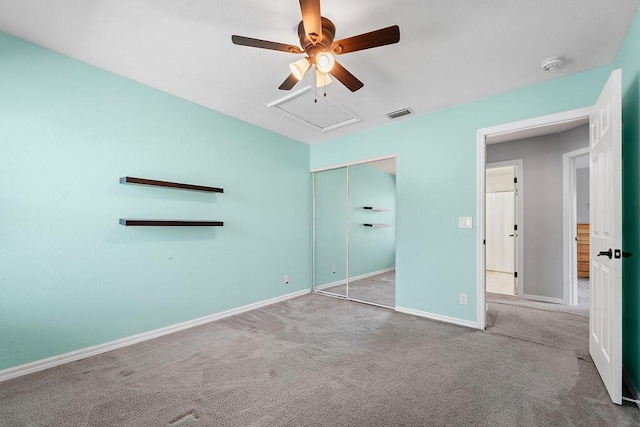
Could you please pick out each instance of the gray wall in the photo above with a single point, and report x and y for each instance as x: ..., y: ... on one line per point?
x: 542, y: 177
x: 582, y: 195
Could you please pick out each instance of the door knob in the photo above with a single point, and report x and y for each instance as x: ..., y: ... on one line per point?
x: 608, y: 253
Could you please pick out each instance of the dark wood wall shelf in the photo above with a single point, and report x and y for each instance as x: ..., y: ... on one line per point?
x: 129, y: 222
x: 155, y: 183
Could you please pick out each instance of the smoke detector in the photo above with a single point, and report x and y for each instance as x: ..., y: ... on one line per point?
x: 551, y: 64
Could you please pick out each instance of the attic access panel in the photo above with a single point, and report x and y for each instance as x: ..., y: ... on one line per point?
x: 326, y: 114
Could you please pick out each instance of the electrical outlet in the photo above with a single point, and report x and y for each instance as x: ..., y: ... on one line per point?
x: 463, y: 299
x: 286, y: 279
x: 334, y: 270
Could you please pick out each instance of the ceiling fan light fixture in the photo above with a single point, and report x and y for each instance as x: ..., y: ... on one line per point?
x: 325, y: 62
x: 322, y: 79
x: 316, y: 34
x: 300, y: 67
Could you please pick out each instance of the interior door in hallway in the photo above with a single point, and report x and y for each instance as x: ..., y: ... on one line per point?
x: 605, y: 313
x: 501, y: 226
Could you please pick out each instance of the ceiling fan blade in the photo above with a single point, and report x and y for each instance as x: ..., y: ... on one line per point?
x: 289, y: 83
x: 311, y: 19
x: 264, y: 44
x: 376, y: 38
x: 345, y: 77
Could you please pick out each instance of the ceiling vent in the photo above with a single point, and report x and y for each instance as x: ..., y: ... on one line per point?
x: 325, y: 114
x: 399, y: 113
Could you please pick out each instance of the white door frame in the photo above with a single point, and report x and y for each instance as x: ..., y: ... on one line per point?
x: 569, y: 225
x: 567, y: 116
x: 519, y: 219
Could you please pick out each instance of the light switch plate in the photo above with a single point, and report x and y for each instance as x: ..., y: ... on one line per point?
x: 466, y: 222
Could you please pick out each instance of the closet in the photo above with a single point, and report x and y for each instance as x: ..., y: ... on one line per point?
x: 354, y: 232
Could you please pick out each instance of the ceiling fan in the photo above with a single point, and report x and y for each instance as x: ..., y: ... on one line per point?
x: 316, y: 35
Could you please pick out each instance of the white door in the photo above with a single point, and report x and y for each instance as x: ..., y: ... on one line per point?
x: 500, y: 221
x: 605, y: 313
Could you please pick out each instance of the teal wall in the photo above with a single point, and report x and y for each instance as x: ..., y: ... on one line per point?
x: 330, y: 227
x: 436, y: 184
x: 629, y: 60
x: 70, y: 275
x: 371, y: 249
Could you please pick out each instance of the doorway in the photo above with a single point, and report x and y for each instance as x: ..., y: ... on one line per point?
x: 582, y: 286
x: 605, y: 251
x: 503, y: 134
x: 576, y: 225
x: 503, y: 225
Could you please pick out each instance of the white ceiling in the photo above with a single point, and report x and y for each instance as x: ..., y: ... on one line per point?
x: 451, y: 51
x: 536, y: 131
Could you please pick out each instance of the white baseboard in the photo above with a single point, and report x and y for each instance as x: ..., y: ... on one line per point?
x: 330, y: 285
x: 354, y: 278
x: 439, y: 317
x: 631, y: 386
x: 373, y: 273
x: 544, y: 299
x: 50, y: 362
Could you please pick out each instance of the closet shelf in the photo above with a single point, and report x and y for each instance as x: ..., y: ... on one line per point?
x: 372, y: 208
x: 376, y: 225
x: 129, y: 222
x: 167, y: 184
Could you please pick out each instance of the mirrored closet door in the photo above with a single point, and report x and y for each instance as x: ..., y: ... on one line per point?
x: 355, y: 218
x: 372, y: 232
x: 330, y: 231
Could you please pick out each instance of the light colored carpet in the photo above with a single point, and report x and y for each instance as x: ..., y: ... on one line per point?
x: 320, y: 361
x: 378, y: 289
x: 539, y: 323
x: 582, y: 309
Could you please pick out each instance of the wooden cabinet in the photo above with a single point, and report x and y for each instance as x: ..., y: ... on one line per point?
x: 583, y: 250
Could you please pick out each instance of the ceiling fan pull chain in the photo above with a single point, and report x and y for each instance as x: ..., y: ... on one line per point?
x: 315, y: 89
x: 324, y: 78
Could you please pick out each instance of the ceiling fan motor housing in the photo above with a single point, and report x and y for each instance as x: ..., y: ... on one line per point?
x: 313, y: 48
x: 320, y: 49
